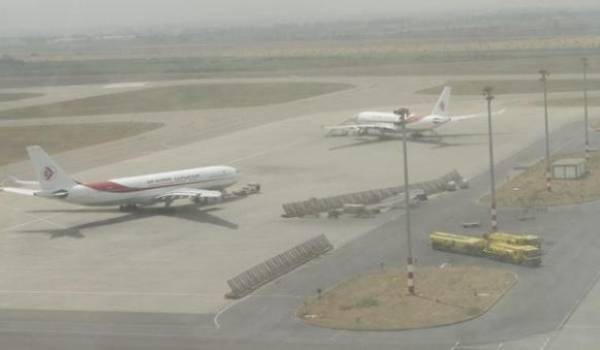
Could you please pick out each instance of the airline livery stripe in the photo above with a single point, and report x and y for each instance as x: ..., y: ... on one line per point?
x: 109, y: 186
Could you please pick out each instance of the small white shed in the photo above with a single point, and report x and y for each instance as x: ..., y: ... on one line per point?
x: 568, y: 169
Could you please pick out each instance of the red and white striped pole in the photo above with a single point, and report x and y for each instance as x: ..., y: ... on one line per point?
x: 410, y: 267
x: 411, y: 275
x: 544, y: 79
x: 487, y: 92
x: 494, y: 217
x: 585, y: 108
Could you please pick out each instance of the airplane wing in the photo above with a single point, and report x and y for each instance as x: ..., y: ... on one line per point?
x: 18, y: 190
x: 358, y: 127
x: 478, y: 115
x: 23, y: 182
x: 189, y: 193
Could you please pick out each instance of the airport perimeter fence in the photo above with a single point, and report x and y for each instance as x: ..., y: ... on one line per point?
x: 250, y: 280
x: 314, y: 206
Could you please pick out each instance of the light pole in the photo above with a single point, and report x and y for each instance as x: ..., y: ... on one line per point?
x: 404, y: 113
x: 585, y: 107
x: 487, y: 93
x: 544, y: 79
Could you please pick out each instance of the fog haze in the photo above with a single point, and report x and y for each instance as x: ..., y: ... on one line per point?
x: 74, y: 16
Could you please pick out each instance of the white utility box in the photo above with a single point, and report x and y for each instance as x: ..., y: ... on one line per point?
x: 569, y: 169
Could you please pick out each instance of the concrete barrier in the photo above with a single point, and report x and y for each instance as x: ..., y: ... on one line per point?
x: 252, y: 279
x: 314, y: 206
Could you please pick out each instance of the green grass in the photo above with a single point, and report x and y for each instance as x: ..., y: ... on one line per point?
x: 366, y: 302
x: 13, y: 96
x: 182, y: 97
x: 474, y: 87
x: 59, y: 138
x: 307, y: 62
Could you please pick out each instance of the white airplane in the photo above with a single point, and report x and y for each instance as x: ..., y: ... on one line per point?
x: 416, y: 125
x: 200, y: 185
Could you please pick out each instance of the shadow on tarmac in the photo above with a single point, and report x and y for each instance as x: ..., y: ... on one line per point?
x: 188, y: 212
x: 436, y: 140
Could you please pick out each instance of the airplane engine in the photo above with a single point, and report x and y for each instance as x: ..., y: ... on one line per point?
x: 206, y: 200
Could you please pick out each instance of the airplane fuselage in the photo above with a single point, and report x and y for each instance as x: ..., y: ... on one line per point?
x: 413, y: 122
x: 143, y: 190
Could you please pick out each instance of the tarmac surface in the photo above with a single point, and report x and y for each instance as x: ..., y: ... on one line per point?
x: 157, y: 280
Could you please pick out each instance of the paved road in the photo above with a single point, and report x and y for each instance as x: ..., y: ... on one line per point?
x: 540, y: 303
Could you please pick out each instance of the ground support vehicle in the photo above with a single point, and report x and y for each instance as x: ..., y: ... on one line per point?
x: 494, y: 248
x: 516, y: 239
x: 516, y: 254
x: 458, y: 243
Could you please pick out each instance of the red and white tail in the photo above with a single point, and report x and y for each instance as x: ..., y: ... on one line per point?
x: 441, y: 106
x: 50, y: 175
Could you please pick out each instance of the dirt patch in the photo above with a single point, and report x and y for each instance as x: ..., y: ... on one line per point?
x: 474, y: 87
x: 60, y: 138
x: 528, y: 189
x: 182, y: 97
x: 14, y: 96
x: 593, y: 101
x: 380, y: 300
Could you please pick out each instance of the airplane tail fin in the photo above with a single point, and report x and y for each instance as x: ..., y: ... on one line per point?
x: 441, y: 106
x: 50, y: 175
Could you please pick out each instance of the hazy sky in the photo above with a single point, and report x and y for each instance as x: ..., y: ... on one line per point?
x: 73, y: 16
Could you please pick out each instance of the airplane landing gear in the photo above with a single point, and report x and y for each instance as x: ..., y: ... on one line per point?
x: 429, y: 134
x: 435, y: 136
x: 128, y: 207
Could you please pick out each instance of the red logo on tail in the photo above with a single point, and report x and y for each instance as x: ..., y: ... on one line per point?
x: 48, y: 173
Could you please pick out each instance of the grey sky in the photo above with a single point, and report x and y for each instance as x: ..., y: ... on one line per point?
x: 73, y: 16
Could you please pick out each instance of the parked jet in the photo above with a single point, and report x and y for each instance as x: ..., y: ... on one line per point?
x: 416, y: 125
x: 200, y: 185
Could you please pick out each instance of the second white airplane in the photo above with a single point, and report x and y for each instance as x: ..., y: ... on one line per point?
x: 200, y: 185
x: 388, y: 122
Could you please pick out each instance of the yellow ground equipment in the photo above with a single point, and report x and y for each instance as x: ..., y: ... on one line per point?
x: 515, y: 254
x: 493, y: 248
x: 516, y: 239
x: 458, y: 243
